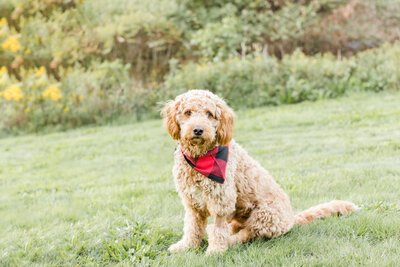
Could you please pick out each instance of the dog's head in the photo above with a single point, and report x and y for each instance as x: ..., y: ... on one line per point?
x: 200, y: 121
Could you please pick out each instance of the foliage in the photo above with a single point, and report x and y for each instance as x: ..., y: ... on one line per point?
x: 378, y: 69
x: 281, y: 26
x: 261, y: 80
x: 104, y: 91
x: 58, y: 34
x: 75, y: 62
x: 83, y: 96
x: 236, y: 80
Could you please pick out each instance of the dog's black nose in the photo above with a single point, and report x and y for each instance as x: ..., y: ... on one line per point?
x: 198, y: 130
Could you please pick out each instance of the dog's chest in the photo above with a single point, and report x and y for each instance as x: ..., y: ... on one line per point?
x: 195, y: 187
x: 197, y: 196
x: 199, y: 189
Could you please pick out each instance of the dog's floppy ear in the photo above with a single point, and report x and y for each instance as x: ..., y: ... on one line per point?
x: 225, y: 129
x: 169, y: 115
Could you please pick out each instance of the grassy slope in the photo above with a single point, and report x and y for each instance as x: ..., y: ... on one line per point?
x: 106, y: 195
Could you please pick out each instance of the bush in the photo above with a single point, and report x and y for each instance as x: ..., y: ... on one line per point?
x: 240, y: 81
x: 58, y: 34
x: 311, y: 78
x: 262, y: 80
x: 220, y: 29
x: 74, y: 62
x: 84, y: 96
x: 377, y: 69
x: 105, y: 91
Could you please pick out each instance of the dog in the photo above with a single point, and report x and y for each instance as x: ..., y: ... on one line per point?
x: 215, y: 176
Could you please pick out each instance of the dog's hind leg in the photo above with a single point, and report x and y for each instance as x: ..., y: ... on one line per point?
x: 241, y: 237
x: 267, y: 221
x: 236, y: 226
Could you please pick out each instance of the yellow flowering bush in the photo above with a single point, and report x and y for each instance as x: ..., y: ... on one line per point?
x: 3, y: 22
x: 3, y: 28
x: 52, y: 92
x: 12, y: 93
x: 3, y: 70
x: 39, y: 72
x: 12, y: 44
x: 83, y: 96
x: 60, y: 64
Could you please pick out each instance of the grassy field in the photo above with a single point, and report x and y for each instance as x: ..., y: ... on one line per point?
x: 105, y: 195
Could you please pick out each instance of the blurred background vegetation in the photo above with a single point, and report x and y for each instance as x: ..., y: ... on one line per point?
x: 66, y: 63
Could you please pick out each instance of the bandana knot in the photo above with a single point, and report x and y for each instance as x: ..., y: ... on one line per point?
x: 212, y: 164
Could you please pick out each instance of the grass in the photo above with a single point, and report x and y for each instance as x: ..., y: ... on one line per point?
x: 105, y: 195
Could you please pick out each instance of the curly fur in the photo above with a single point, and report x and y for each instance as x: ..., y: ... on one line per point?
x: 250, y: 203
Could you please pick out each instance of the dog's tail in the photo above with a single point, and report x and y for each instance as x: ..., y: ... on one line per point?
x: 324, y: 210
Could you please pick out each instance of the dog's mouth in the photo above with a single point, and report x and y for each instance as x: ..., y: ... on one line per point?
x: 197, y: 140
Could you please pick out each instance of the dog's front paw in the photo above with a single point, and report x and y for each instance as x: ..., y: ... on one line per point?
x: 218, y: 238
x: 179, y: 246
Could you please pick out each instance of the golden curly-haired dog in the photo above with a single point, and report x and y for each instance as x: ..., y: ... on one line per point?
x: 249, y: 203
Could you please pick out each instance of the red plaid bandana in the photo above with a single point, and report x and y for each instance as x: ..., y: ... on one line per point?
x: 212, y: 164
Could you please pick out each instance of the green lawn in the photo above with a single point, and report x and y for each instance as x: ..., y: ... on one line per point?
x: 105, y: 195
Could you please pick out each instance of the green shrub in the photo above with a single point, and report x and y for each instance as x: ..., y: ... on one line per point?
x: 263, y: 80
x: 378, y: 69
x: 148, y: 34
x: 58, y: 34
x: 219, y: 29
x: 312, y: 78
x: 242, y: 82
x: 104, y: 91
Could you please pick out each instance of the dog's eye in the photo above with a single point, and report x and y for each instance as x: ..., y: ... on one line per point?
x: 210, y: 115
x: 188, y: 113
